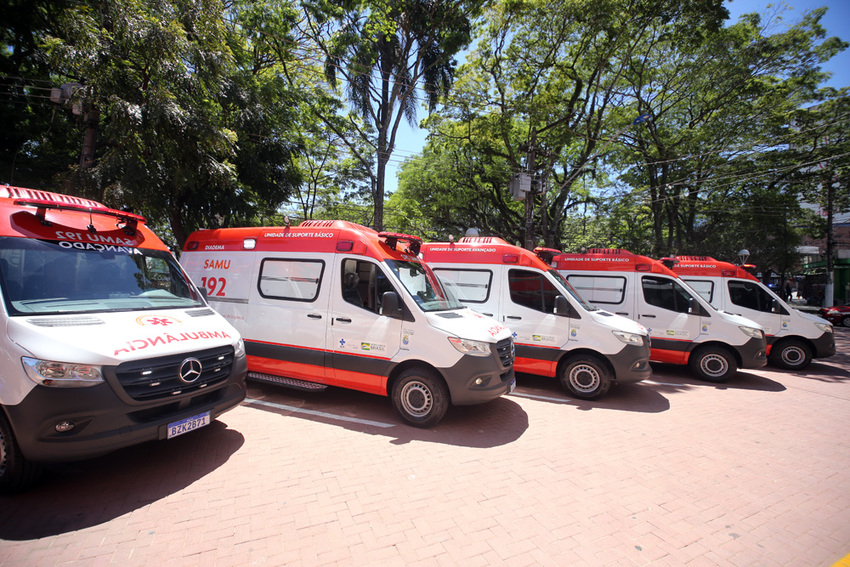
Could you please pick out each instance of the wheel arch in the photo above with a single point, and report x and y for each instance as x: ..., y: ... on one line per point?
x: 716, y: 344
x: 569, y: 354
x: 407, y: 365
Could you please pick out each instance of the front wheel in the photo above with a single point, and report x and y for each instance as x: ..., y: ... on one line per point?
x: 419, y: 398
x: 791, y: 355
x: 585, y: 377
x: 713, y: 364
x: 16, y: 473
x: 845, y: 322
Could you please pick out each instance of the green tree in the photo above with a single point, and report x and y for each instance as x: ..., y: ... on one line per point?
x: 381, y: 51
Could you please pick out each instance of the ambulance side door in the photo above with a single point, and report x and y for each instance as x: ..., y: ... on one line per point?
x: 663, y: 307
x: 528, y: 309
x: 288, y: 317
x: 362, y: 341
x: 751, y: 300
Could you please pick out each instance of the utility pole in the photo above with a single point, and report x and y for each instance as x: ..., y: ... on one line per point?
x: 529, y: 198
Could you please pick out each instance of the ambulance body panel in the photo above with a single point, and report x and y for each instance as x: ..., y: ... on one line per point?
x: 105, y: 342
x: 793, y: 337
x: 683, y: 328
x: 311, y: 303
x: 556, y: 333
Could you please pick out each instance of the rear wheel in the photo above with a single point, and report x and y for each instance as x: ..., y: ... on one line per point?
x: 791, y: 354
x: 713, y: 364
x: 420, y: 398
x: 845, y: 322
x: 585, y: 377
x: 16, y: 473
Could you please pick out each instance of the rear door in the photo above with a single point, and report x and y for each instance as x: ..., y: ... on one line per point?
x: 362, y: 341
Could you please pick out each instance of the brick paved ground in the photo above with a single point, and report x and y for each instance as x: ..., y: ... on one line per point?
x: 671, y: 472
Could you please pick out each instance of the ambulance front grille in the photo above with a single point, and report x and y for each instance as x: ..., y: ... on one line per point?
x: 159, y: 378
x: 505, y: 349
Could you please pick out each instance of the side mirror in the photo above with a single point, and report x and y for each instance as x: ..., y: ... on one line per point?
x: 694, y: 308
x: 390, y: 305
x: 563, y: 307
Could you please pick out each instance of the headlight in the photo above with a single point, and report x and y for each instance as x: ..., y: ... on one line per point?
x: 629, y: 338
x: 61, y: 374
x: 239, y: 350
x: 825, y: 327
x: 473, y: 348
x: 752, y: 332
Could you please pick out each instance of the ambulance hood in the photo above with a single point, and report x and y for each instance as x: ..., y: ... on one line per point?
x: 617, y: 322
x: 811, y: 317
x: 110, y: 338
x: 467, y: 324
x: 738, y: 320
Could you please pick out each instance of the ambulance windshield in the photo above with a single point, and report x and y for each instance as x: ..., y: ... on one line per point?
x: 40, y: 277
x: 572, y: 291
x: 423, y: 286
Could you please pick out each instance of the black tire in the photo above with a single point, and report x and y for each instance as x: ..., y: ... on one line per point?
x: 845, y: 322
x: 713, y: 364
x: 585, y: 377
x: 420, y: 398
x: 791, y: 354
x: 16, y: 473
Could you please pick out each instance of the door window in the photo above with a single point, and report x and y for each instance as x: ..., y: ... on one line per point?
x: 363, y: 284
x: 295, y: 280
x: 750, y: 295
x: 666, y: 294
x: 532, y: 290
x: 600, y: 289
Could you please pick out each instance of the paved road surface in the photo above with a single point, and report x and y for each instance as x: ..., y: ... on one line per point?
x: 668, y: 472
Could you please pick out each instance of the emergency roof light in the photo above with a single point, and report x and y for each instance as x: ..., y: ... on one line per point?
x: 546, y: 254
x: 83, y: 206
x: 414, y: 243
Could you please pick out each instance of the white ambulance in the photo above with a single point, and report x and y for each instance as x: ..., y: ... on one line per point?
x: 105, y: 342
x: 793, y: 337
x: 684, y: 328
x: 335, y: 303
x: 557, y: 333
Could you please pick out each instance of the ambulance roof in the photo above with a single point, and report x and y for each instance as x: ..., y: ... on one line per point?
x: 480, y: 250
x: 319, y: 236
x: 33, y: 213
x: 610, y: 260
x: 692, y: 266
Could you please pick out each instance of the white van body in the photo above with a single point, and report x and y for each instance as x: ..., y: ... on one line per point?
x: 586, y: 348
x: 106, y: 343
x: 683, y: 327
x: 335, y: 303
x: 793, y: 337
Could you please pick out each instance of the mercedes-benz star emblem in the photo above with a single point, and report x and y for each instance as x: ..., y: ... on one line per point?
x: 190, y: 370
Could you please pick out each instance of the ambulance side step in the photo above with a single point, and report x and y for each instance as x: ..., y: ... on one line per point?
x: 288, y: 382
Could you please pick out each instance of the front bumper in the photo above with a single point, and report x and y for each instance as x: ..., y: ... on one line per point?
x: 104, y: 422
x: 753, y: 353
x: 631, y: 364
x: 478, y: 379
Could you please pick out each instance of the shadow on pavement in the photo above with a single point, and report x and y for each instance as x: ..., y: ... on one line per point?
x: 673, y: 376
x: 632, y: 397
x: 491, y: 424
x: 79, y: 495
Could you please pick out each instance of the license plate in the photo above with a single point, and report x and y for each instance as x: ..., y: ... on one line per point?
x: 189, y: 424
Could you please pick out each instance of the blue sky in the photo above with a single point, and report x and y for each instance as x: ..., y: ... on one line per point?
x: 836, y: 22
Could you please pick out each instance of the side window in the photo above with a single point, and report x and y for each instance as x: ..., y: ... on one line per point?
x: 665, y: 293
x: 600, y: 289
x: 295, y: 280
x: 532, y: 290
x: 750, y: 296
x: 363, y: 284
x: 703, y: 287
x: 471, y: 286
